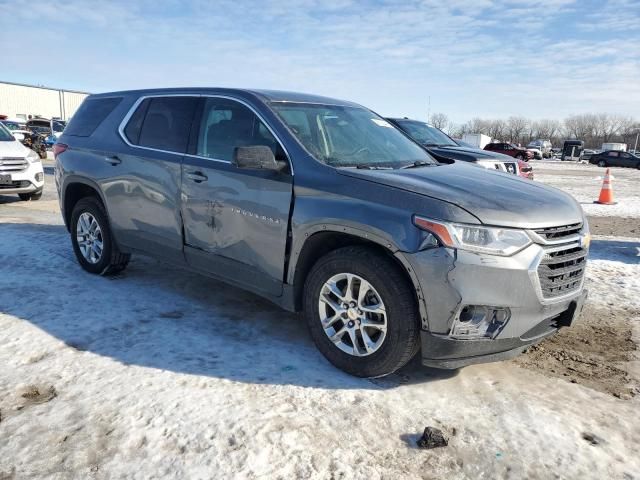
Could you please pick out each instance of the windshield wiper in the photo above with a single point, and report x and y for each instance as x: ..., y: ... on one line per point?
x: 419, y: 163
x: 368, y: 166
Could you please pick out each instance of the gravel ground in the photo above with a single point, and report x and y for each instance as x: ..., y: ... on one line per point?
x: 162, y: 373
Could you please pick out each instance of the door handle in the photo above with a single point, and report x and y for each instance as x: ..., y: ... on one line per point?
x: 197, y: 177
x: 113, y: 160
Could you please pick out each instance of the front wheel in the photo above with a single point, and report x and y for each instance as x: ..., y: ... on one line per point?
x: 26, y: 197
x: 92, y: 240
x: 361, y: 312
x: 602, y: 163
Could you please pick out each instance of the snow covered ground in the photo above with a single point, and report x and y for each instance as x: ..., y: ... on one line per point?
x: 161, y: 373
x: 583, y: 181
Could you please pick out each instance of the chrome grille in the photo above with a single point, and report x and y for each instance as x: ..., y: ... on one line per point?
x: 558, y: 233
x: 13, y: 164
x: 562, y: 269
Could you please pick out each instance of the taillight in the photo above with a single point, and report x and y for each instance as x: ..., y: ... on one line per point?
x: 58, y: 148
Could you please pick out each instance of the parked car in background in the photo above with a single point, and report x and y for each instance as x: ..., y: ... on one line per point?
x: 444, y: 148
x: 572, y: 150
x: 537, y: 153
x: 587, y: 153
x: 21, y: 170
x: 510, y: 149
x: 386, y: 251
x: 25, y: 136
x: 556, y: 152
x: 615, y: 158
x: 544, y: 146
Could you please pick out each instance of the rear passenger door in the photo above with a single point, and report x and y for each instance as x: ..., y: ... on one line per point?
x: 144, y: 191
x: 235, y: 220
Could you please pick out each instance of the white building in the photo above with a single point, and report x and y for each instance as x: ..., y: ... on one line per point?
x: 19, y: 100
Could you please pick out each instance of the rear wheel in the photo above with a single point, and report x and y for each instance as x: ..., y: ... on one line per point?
x: 602, y: 163
x: 361, y: 312
x: 92, y: 240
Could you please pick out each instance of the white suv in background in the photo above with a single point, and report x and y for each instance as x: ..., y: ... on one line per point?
x: 20, y: 168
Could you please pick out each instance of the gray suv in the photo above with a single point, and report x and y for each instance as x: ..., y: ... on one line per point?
x: 324, y: 207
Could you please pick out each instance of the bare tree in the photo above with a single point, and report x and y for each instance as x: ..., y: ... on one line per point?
x: 593, y: 128
x: 516, y: 127
x: 439, y: 120
x: 497, y: 129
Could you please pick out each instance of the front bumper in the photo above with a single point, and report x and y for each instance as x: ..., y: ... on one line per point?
x: 440, y: 351
x: 27, y: 181
x: 452, y: 279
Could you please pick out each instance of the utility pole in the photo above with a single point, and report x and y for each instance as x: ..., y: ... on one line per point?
x: 635, y: 148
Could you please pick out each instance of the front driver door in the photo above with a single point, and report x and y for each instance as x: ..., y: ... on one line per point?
x: 235, y: 221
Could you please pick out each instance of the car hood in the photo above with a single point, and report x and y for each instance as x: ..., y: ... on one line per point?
x: 13, y: 149
x: 494, y: 198
x: 468, y: 154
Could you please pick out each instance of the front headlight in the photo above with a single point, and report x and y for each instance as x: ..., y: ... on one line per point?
x: 585, y: 239
x: 476, y: 238
x: 33, y: 157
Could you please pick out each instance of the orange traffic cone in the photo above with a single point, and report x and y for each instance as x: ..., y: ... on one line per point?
x: 606, y: 192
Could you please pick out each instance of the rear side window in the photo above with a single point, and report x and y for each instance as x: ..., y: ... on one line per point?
x: 132, y: 130
x: 90, y: 115
x: 166, y: 124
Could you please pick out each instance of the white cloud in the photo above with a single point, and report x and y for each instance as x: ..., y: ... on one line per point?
x: 485, y: 57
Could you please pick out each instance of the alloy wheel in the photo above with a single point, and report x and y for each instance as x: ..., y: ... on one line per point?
x: 352, y: 314
x: 89, y: 237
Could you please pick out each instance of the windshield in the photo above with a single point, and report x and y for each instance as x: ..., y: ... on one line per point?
x: 426, y: 134
x: 5, y: 134
x: 58, y: 127
x: 345, y: 136
x: 11, y: 125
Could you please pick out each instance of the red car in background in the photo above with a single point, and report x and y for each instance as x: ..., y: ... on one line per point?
x: 510, y: 149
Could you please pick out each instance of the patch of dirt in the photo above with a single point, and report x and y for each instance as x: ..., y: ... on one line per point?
x: 592, y: 352
x: 614, y: 226
x: 34, y: 395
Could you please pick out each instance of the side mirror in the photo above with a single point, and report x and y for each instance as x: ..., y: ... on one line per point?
x: 18, y: 136
x: 255, y: 157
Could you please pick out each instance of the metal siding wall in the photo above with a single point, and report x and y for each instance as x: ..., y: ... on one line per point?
x: 72, y: 101
x: 21, y: 99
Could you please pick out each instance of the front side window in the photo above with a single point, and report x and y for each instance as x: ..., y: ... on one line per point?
x: 426, y: 134
x: 226, y: 124
x: 346, y: 136
x: 167, y: 123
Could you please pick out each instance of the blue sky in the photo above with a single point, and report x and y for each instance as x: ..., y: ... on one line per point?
x: 487, y: 58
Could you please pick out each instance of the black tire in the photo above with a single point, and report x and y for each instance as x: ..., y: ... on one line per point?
x: 602, y: 163
x: 112, y: 260
x: 402, y: 339
x: 30, y: 196
x: 638, y: 165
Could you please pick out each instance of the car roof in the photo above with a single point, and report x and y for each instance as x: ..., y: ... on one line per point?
x: 267, y: 96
